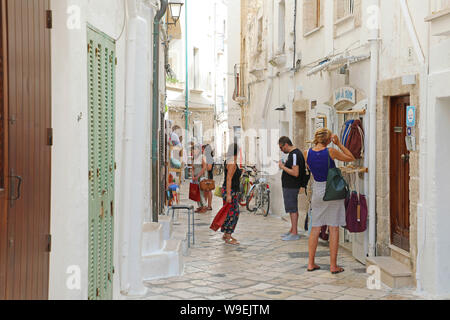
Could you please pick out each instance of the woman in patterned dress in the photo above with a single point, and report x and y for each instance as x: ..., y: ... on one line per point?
x: 229, y: 193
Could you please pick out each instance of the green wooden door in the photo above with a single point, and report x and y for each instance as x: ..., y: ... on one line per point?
x: 101, y: 87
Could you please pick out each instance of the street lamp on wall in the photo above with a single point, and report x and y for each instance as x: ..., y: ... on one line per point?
x: 175, y: 10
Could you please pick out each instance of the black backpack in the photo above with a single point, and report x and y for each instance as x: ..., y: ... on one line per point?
x: 305, y: 174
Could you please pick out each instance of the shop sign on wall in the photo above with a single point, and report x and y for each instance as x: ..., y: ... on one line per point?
x: 344, y: 94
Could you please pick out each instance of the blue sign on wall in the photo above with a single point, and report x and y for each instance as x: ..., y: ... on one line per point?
x: 411, y: 116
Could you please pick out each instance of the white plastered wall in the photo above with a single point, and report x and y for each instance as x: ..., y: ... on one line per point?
x: 69, y: 204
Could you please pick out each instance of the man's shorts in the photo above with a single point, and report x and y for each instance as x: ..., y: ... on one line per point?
x: 291, y: 200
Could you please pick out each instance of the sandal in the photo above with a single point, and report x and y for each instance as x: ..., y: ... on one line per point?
x: 232, y: 241
x: 313, y: 269
x: 339, y: 271
x: 209, y: 209
x: 201, y: 210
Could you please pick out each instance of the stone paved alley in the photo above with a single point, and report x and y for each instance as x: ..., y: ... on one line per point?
x: 263, y: 267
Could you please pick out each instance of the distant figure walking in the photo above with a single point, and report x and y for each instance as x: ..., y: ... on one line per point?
x: 198, y: 171
x: 325, y: 213
x: 209, y: 157
x: 229, y: 192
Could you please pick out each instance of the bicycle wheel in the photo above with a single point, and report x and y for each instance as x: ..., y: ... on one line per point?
x: 265, y: 206
x: 252, y: 204
x: 244, y: 191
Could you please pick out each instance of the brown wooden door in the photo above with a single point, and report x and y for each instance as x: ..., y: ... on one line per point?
x: 399, y: 174
x: 3, y: 151
x: 29, y: 107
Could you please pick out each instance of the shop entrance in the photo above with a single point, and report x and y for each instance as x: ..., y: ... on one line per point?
x: 399, y: 174
x: 26, y: 139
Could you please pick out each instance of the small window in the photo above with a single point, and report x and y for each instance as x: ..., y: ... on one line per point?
x: 311, y: 15
x: 260, y: 34
x: 281, y: 26
x: 442, y: 5
x: 196, y: 68
x: 344, y: 8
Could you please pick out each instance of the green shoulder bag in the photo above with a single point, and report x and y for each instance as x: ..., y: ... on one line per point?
x: 337, y: 187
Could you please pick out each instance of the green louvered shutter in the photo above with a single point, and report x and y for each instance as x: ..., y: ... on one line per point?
x: 101, y: 86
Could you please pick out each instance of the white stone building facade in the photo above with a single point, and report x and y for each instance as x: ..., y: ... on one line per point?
x: 297, y: 59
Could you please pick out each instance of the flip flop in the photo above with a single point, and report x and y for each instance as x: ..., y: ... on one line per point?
x: 232, y: 241
x: 314, y: 269
x: 337, y: 272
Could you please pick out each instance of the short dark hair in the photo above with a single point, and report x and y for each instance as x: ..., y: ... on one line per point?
x: 285, y: 140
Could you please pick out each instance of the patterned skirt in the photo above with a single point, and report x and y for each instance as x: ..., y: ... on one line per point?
x: 233, y: 216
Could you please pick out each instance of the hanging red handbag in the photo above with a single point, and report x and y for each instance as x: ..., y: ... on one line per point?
x: 194, y: 192
x: 220, y: 218
x: 356, y: 215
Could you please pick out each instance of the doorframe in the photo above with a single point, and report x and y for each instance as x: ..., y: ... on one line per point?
x: 391, y: 231
x: 386, y: 89
x: 4, y: 192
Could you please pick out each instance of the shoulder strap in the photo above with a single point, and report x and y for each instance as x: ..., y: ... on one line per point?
x: 329, y: 157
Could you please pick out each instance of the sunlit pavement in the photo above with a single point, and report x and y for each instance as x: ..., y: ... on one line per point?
x: 263, y: 267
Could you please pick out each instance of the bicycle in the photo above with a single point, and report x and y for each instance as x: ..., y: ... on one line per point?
x: 259, y: 196
x: 245, y: 185
x: 218, y: 169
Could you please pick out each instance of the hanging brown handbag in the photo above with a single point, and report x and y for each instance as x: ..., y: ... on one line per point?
x: 207, y: 185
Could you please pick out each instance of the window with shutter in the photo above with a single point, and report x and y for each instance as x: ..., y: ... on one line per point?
x: 347, y: 16
x: 440, y: 5
x: 281, y: 26
x: 344, y: 9
x: 312, y: 15
x: 101, y: 99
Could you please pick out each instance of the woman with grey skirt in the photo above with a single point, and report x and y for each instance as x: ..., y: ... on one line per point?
x: 325, y: 213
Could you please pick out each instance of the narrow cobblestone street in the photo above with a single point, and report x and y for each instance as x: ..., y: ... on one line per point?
x: 263, y: 267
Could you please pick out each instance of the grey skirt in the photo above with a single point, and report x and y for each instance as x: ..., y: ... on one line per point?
x: 326, y: 213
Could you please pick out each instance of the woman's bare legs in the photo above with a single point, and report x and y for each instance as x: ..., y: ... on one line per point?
x: 209, y: 197
x: 313, y: 242
x: 334, y: 247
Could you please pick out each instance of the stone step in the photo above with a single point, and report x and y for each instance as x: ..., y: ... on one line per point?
x: 166, y: 263
x: 181, y: 235
x: 166, y: 222
x: 152, y: 238
x: 394, y: 274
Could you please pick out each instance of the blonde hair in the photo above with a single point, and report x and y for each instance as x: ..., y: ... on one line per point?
x: 322, y: 136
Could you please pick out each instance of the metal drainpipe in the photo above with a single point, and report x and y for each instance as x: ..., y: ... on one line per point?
x: 155, y: 114
x: 295, y: 36
x: 374, y: 66
x: 187, y: 77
